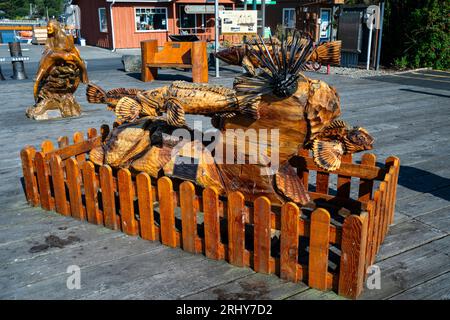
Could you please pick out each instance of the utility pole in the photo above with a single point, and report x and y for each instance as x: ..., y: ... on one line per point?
x: 263, y: 13
x: 216, y: 34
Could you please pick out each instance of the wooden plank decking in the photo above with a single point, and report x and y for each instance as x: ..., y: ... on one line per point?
x: 37, y: 246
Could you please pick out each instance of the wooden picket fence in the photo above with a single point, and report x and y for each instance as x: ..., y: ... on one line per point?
x: 231, y: 228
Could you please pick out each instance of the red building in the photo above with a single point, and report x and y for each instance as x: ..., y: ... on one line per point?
x: 124, y: 24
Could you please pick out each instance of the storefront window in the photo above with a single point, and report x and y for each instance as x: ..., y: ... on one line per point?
x: 149, y: 19
x: 102, y: 20
x: 288, y: 17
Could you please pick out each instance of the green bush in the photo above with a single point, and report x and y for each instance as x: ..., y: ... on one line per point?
x: 417, y: 34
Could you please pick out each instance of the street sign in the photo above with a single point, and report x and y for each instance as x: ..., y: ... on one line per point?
x: 201, y: 9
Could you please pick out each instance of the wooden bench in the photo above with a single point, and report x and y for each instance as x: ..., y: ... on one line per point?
x: 174, y: 55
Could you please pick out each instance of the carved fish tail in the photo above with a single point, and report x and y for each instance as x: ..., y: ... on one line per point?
x: 95, y: 94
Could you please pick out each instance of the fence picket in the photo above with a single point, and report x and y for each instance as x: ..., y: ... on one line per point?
x: 366, y: 185
x: 322, y: 180
x: 344, y: 182
x: 31, y: 187
x: 145, y: 200
x: 318, y: 249
x: 167, y: 215
x: 382, y: 212
x: 43, y: 181
x: 212, y: 223
x: 91, y: 193
x: 304, y: 174
x: 370, y: 229
x: 63, y: 142
x: 377, y: 214
x: 91, y: 133
x: 59, y: 186
x: 386, y: 206
x: 110, y: 217
x: 188, y: 216
x: 46, y: 146
x: 352, y: 272
x: 236, y: 229
x: 78, y: 137
x: 126, y: 197
x: 262, y: 233
x: 74, y: 185
x: 290, y: 215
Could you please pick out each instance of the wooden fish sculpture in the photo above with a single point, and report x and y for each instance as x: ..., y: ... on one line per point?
x: 300, y: 112
x: 328, y: 53
x: 176, y: 100
x: 60, y: 71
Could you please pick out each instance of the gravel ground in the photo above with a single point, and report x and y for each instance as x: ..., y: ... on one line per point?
x: 356, y: 72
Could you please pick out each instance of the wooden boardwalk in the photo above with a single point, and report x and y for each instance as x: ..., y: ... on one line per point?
x: 36, y: 247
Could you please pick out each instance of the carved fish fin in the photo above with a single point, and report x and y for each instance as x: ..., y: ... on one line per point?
x: 289, y: 184
x: 175, y: 113
x: 251, y: 107
x: 95, y: 94
x: 97, y: 155
x: 336, y: 124
x: 127, y: 109
x: 149, y: 106
x: 327, y: 154
x: 226, y: 115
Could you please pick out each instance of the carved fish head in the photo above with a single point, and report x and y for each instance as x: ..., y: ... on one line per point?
x: 232, y: 55
x: 358, y: 139
x: 52, y: 27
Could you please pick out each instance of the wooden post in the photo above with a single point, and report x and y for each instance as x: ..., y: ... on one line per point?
x: 188, y: 216
x: 145, y: 199
x: 212, y: 223
x: 290, y: 215
x: 43, y: 181
x: 126, y: 197
x: 74, y: 184
x: 318, y: 249
x: 59, y: 187
x: 199, y: 62
x: 166, y: 212
x: 236, y: 229
x: 262, y: 233
x: 111, y: 219
x: 90, y: 192
x: 344, y: 182
x: 148, y: 50
x: 352, y: 273
x: 31, y: 188
x: 366, y: 185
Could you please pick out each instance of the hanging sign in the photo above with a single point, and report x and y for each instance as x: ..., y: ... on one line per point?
x: 201, y: 9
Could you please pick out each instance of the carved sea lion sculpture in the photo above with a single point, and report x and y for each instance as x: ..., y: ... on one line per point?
x: 60, y: 71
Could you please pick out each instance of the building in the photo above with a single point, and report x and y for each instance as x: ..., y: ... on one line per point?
x: 135, y: 21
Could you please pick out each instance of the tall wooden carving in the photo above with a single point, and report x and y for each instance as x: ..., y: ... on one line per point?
x: 60, y: 71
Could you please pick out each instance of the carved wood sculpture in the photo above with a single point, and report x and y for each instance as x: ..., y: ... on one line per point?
x: 277, y: 98
x: 241, y: 55
x: 60, y: 71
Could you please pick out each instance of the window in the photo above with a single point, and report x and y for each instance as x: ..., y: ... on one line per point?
x: 151, y: 19
x: 288, y: 17
x: 102, y: 20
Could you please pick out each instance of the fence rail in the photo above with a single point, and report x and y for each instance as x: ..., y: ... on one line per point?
x: 312, y: 246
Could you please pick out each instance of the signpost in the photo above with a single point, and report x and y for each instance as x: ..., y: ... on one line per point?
x: 216, y: 33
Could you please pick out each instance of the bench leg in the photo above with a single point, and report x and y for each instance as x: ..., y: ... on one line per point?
x: 149, y: 74
x: 199, y: 62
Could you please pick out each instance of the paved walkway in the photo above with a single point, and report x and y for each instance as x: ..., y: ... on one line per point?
x: 409, y: 120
